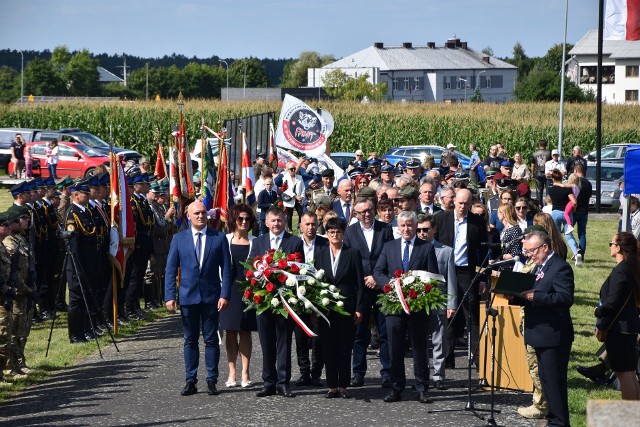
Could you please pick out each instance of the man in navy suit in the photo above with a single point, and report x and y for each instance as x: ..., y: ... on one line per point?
x: 547, y: 322
x: 407, y: 253
x: 368, y: 236
x: 202, y: 254
x: 275, y: 331
x: 342, y: 205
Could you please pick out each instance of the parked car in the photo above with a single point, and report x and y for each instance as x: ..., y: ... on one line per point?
x: 343, y: 159
x: 420, y: 152
x: 7, y: 136
x: 610, y: 153
x: 610, y: 174
x: 75, y: 160
x: 77, y: 136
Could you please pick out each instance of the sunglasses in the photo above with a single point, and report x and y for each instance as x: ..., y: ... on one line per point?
x: 521, y: 208
x: 423, y: 230
x: 292, y: 169
x: 243, y: 219
x: 613, y: 243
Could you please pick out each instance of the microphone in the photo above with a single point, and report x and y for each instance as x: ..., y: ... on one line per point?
x: 505, y: 262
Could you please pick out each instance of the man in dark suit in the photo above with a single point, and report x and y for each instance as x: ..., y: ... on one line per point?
x: 342, y: 205
x: 547, y: 323
x: 464, y: 231
x: 427, y: 196
x: 407, y: 253
x: 275, y: 331
x: 368, y: 236
x: 202, y: 254
x: 310, y: 370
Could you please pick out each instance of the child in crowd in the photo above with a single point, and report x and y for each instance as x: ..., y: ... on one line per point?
x: 574, y: 183
x: 548, y: 208
x: 28, y: 162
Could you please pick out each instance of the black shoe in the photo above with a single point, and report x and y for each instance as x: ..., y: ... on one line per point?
x: 62, y: 307
x: 316, y: 382
x: 304, y: 380
x: 356, y: 381
x: 189, y: 389
x: 47, y: 315
x: 142, y: 314
x: 123, y: 321
x: 593, y: 373
x: 211, y: 388
x: 266, y: 391
x: 36, y: 317
x: 133, y: 316
x: 345, y: 394
x: 450, y: 364
x: 374, y: 346
x: 77, y: 339
x: 386, y: 382
x: 393, y: 396
x: 284, y: 391
x: 423, y: 397
x: 332, y: 394
x: 109, y: 324
x: 439, y: 385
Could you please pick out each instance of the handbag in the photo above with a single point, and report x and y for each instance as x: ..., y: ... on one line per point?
x: 601, y: 335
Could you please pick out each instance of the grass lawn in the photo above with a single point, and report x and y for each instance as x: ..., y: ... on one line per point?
x: 588, y: 281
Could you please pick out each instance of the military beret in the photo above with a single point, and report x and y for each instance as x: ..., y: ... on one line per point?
x: 4, y: 218
x: 413, y: 164
x: 367, y: 192
x: 328, y: 173
x: 387, y: 168
x: 535, y: 227
x: 65, y: 181
x: 408, y: 192
x: 56, y: 194
x: 19, y: 188
x: 523, y: 189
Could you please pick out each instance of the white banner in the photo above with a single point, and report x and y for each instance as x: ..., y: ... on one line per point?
x: 301, y: 128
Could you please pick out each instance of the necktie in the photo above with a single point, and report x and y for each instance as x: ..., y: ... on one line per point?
x: 198, y: 247
x: 275, y: 242
x: 347, y: 211
x: 405, y: 256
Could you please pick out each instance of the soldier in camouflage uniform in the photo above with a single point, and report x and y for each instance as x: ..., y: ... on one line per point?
x: 154, y: 276
x: 63, y: 185
x: 314, y: 192
x: 7, y: 294
x: 16, y: 244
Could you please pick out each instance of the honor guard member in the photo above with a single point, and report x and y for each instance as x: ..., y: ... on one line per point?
x: 154, y: 277
x: 387, y: 177
x: 38, y: 240
x: 81, y: 235
x: 63, y: 185
x: 105, y: 197
x: 7, y: 294
x: 314, y: 192
x: 17, y: 246
x: 145, y: 222
x: 49, y: 284
x: 414, y: 169
x: 98, y: 287
x: 374, y: 165
x: 328, y: 176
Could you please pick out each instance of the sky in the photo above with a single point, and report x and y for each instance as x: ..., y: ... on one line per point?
x: 285, y: 28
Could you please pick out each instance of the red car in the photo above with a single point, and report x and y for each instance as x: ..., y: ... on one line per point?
x: 75, y: 160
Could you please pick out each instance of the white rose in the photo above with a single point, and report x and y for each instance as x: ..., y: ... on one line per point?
x: 332, y: 288
x: 325, y: 301
x: 303, y: 271
x: 275, y: 302
x: 324, y: 292
x: 291, y: 282
x: 415, y: 273
x: 307, y: 304
x: 408, y: 280
x: 339, y: 303
x: 293, y: 301
x: 302, y: 290
x: 319, y: 274
x: 311, y: 280
x: 258, y: 274
x: 324, y: 285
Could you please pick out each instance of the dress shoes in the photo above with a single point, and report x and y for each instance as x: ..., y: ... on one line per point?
x: 594, y: 374
x: 393, y: 396
x: 356, y: 381
x: 386, y: 382
x: 423, y: 397
x: 439, y: 385
x: 211, y: 388
x: 450, y: 364
x: 284, y: 391
x: 316, y: 382
x: 332, y: 395
x: 266, y: 391
x: 345, y: 394
x: 189, y: 389
x: 304, y: 380
x: 47, y: 315
x: 77, y: 339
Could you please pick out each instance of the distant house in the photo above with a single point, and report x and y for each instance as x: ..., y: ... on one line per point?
x: 620, y: 68
x: 107, y: 76
x: 448, y: 73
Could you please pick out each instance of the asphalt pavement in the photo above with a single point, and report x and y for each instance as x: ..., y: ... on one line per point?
x: 141, y: 386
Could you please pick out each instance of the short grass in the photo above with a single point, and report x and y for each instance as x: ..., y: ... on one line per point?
x: 588, y: 281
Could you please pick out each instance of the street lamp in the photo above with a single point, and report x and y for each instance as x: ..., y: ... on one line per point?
x: 227, y: 67
x: 460, y: 79
x: 244, y: 90
x: 21, y: 77
x: 478, y: 82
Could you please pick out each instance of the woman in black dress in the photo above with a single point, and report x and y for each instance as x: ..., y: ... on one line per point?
x: 237, y: 323
x: 618, y: 313
x: 343, y: 269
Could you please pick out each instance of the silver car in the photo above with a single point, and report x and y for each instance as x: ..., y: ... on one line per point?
x: 610, y: 174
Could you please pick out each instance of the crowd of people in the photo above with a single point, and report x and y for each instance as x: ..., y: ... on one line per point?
x: 375, y: 219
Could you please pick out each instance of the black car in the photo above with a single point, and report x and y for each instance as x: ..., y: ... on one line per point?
x: 90, y: 140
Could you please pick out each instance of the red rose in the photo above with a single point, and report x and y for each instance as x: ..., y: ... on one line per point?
x: 412, y: 294
x: 267, y: 273
x: 398, y: 273
x: 270, y: 287
x: 257, y: 258
x: 282, y: 278
x: 295, y: 269
x: 428, y: 288
x: 248, y: 294
x: 285, y: 186
x: 257, y: 299
x: 268, y: 259
x: 280, y: 204
x: 272, y: 251
x: 387, y: 289
x: 282, y: 264
x: 299, y: 257
x: 249, y: 274
x: 253, y: 282
x: 292, y: 257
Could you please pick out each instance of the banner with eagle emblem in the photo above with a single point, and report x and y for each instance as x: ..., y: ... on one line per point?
x: 301, y: 128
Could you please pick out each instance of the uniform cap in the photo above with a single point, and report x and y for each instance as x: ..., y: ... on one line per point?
x: 4, y: 218
x: 388, y: 168
x: 367, y: 192
x: 535, y: 227
x: 16, y: 211
x: 65, y: 181
x: 408, y: 192
x: 323, y: 200
x: 374, y: 162
x: 19, y: 188
x: 413, y: 164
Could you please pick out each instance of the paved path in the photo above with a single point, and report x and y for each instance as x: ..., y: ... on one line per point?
x: 141, y: 384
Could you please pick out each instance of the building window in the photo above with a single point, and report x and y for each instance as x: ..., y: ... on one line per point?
x: 588, y: 74
x: 485, y: 82
x: 406, y: 84
x: 631, y: 95
x: 418, y: 83
x: 447, y: 82
x: 631, y: 71
x: 496, y: 81
x: 395, y: 84
x: 462, y: 82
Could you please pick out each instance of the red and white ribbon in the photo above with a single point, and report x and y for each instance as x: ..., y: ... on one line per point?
x: 307, y: 330
x: 398, y: 287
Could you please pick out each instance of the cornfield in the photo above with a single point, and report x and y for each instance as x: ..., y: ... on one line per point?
x: 371, y: 127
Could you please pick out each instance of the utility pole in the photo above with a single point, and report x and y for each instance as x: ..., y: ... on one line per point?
x: 124, y: 69
x: 21, y: 77
x: 147, y: 82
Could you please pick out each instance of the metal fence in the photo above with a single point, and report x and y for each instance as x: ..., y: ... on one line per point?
x: 256, y: 128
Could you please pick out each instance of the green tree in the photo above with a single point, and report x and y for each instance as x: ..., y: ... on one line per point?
x: 553, y: 58
x: 81, y: 75
x: 544, y: 85
x: 340, y: 85
x: 113, y: 89
x: 60, y: 57
x: 41, y: 79
x: 477, y: 95
x: 520, y: 59
x: 295, y: 71
x: 488, y: 51
x: 199, y: 81
x: 256, y: 75
x: 9, y: 84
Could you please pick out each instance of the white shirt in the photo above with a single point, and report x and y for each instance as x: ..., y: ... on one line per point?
x: 278, y: 240
x: 344, y: 209
x: 403, y: 244
x: 309, y: 249
x: 335, y: 260
x: 203, y: 239
x: 368, y: 235
x: 551, y: 165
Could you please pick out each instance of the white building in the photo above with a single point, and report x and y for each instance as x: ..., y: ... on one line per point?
x: 449, y: 73
x: 620, y: 68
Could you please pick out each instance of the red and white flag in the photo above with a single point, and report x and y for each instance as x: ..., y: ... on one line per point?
x: 123, y: 226
x: 247, y: 173
x: 622, y: 20
x: 161, y: 169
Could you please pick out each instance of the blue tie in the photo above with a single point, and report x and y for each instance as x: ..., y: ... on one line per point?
x: 347, y: 212
x: 198, y: 247
x: 405, y: 257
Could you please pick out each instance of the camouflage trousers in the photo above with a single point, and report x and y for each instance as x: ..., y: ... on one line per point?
x: 532, y: 361
x: 7, y: 352
x: 154, y: 278
x: 22, y: 316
